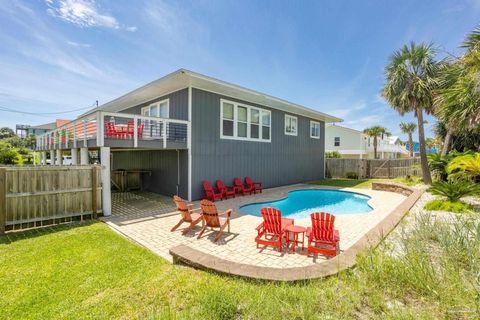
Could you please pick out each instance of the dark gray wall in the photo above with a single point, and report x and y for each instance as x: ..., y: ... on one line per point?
x: 162, y: 164
x: 178, y: 105
x: 285, y: 160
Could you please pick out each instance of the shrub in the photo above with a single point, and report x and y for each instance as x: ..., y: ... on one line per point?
x: 351, y: 175
x: 333, y: 154
x: 445, y: 205
x: 438, y: 165
x: 8, y: 155
x: 465, y: 165
x: 454, y: 189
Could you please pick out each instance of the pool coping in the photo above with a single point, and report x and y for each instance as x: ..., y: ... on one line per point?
x: 346, y: 260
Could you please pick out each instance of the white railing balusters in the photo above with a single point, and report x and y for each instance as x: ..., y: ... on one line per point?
x: 135, y: 131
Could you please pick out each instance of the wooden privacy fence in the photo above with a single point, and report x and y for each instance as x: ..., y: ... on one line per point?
x: 38, y: 196
x: 373, y: 168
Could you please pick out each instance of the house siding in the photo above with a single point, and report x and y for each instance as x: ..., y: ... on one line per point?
x: 163, y: 167
x: 285, y: 160
x: 178, y: 105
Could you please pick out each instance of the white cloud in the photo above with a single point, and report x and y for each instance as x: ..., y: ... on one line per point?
x: 131, y: 29
x: 78, y: 44
x: 84, y: 13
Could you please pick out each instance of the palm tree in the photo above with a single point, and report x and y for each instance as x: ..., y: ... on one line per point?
x: 410, y: 81
x: 374, y: 132
x: 409, y: 128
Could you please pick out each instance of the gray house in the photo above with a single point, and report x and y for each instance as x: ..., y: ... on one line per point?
x: 186, y: 127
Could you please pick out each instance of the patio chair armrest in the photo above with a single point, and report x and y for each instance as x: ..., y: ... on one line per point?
x: 258, y: 184
x: 259, y: 227
x: 228, y: 213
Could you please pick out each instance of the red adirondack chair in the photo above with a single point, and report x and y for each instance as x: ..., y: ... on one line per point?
x: 256, y: 186
x: 210, y: 192
x: 110, y: 131
x: 271, y: 231
x: 226, y: 191
x: 322, y: 236
x: 213, y: 219
x: 189, y: 215
x: 240, y: 188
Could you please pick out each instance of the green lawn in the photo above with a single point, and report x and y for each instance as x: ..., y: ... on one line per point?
x: 365, y: 183
x: 88, y: 271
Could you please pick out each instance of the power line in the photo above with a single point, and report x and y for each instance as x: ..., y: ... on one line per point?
x: 45, y: 113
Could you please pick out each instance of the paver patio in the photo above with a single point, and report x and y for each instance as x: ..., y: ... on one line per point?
x: 147, y: 219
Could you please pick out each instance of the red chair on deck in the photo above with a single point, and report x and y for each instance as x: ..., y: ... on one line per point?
x: 271, y: 231
x: 322, y: 236
x: 110, y: 131
x: 256, y: 186
x: 210, y: 193
x: 226, y: 191
x: 240, y: 188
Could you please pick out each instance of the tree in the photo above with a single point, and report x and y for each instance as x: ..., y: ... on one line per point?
x: 8, y: 155
x: 458, y: 98
x: 374, y: 132
x: 409, y: 128
x: 6, y: 132
x: 410, y: 82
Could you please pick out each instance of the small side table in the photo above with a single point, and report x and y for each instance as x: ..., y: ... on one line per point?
x: 291, y: 235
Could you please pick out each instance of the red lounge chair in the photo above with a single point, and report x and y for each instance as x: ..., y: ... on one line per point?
x: 226, y: 191
x: 213, y: 219
x: 256, y: 186
x: 188, y: 214
x: 240, y: 188
x: 272, y: 230
x: 210, y: 193
x: 322, y: 237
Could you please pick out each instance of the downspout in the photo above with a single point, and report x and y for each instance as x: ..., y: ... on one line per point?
x: 178, y: 170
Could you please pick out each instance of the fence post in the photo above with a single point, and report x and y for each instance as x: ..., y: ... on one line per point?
x: 388, y: 169
x: 3, y: 199
x: 94, y: 192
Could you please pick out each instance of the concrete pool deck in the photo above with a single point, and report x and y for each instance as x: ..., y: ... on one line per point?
x: 236, y: 252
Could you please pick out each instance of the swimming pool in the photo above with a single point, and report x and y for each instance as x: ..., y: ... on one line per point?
x: 300, y: 203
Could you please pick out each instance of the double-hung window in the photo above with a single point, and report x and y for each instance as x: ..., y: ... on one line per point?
x: 314, y: 129
x: 242, y: 122
x: 157, y: 109
x: 291, y: 125
x: 336, y: 141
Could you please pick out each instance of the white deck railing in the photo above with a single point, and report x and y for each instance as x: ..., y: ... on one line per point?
x: 105, y: 128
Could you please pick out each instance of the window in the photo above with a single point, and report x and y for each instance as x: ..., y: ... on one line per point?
x: 290, y: 125
x: 336, y: 142
x: 242, y: 122
x: 157, y: 109
x: 314, y: 129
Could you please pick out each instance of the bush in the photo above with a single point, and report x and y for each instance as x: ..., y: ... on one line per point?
x: 445, y: 205
x: 333, y: 154
x: 454, y: 189
x: 438, y: 165
x: 8, y: 155
x: 467, y: 165
x: 351, y: 175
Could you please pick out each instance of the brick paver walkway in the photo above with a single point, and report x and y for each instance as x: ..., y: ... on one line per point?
x: 148, y: 218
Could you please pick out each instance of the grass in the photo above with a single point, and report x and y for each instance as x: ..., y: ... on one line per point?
x: 88, y: 271
x: 365, y: 183
x: 347, y: 183
x: 446, y: 205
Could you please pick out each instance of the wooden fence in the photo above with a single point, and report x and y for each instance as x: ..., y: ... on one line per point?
x: 37, y: 196
x: 373, y: 168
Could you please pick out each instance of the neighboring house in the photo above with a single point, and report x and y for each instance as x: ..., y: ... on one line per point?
x: 186, y: 127
x: 24, y: 130
x: 416, y: 149
x: 351, y: 143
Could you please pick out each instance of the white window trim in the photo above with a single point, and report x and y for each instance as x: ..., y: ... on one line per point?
x: 235, y: 122
x: 157, y: 104
x: 287, y: 116
x: 311, y: 125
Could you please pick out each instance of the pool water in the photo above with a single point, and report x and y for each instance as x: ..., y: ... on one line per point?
x: 301, y: 203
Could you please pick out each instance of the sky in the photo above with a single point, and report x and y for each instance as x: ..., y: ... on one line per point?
x: 62, y: 55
